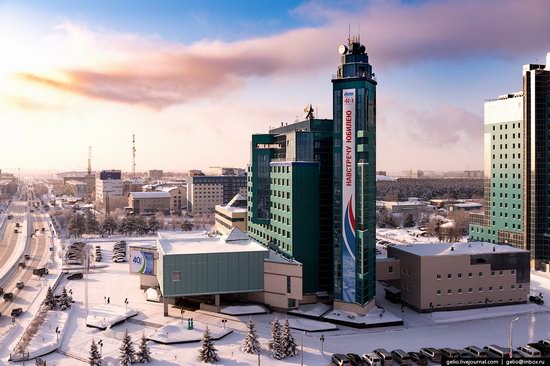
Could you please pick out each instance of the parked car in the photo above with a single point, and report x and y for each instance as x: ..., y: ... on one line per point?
x: 10, y: 217
x: 8, y: 296
x: 476, y: 351
x: 433, y: 354
x: 463, y: 354
x: 339, y: 359
x: 372, y: 359
x: 494, y: 351
x: 1, y: 291
x: 355, y: 359
x: 545, y: 342
x: 27, y: 257
x: 40, y: 271
x: 385, y: 356
x: 15, y: 231
x: 536, y: 299
x: 75, y: 276
x: 401, y: 357
x: 20, y: 285
x: 418, y: 358
x: 528, y: 351
x: 16, y: 312
x: 449, y: 353
x: 544, y: 350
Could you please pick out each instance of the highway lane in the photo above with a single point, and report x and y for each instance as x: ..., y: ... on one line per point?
x: 8, y: 237
x: 39, y: 257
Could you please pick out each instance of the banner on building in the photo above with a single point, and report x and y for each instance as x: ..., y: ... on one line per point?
x: 348, y: 195
x: 141, y: 262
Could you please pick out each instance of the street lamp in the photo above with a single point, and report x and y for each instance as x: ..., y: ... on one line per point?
x: 510, y: 339
x: 322, y: 339
x: 100, y: 343
x: 57, y: 331
x: 224, y: 321
x: 302, y: 349
x: 126, y: 303
x: 182, y: 312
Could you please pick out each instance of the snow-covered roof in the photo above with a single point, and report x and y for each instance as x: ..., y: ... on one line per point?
x: 435, y: 249
x: 165, y: 189
x: 468, y: 205
x: 196, y: 242
x: 150, y: 194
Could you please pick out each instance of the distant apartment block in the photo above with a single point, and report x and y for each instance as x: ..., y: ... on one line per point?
x: 178, y: 196
x: 155, y: 174
x: 452, y: 276
x: 76, y: 188
x: 205, y: 192
x: 195, y: 172
x: 149, y: 203
x: 232, y: 215
x: 109, y: 183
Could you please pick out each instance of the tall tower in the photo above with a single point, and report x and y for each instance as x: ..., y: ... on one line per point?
x: 133, y: 156
x: 354, y: 113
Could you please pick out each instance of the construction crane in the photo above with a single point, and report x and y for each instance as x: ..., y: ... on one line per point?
x: 134, y: 155
x: 89, y: 160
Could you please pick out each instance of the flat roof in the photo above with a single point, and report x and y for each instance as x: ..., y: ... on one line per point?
x: 469, y: 204
x: 199, y: 242
x: 435, y: 249
x: 150, y: 194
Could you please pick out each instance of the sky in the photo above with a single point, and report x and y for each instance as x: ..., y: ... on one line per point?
x: 193, y: 80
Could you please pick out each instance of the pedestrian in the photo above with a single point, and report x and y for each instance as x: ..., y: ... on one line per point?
x: 108, y: 300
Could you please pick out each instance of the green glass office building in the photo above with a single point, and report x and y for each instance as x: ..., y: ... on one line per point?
x: 290, y: 197
x: 354, y: 176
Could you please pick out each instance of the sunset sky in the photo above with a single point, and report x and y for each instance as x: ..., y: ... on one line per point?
x: 194, y: 79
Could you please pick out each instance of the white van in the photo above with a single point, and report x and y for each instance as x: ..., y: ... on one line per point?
x: 528, y: 351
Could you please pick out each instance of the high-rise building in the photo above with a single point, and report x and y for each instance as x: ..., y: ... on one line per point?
x: 204, y: 192
x: 290, y: 197
x: 517, y: 149
x: 501, y: 221
x: 109, y: 184
x: 354, y: 199
x: 536, y: 152
x: 156, y: 174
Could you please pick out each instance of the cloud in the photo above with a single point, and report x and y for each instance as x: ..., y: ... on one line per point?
x: 150, y: 71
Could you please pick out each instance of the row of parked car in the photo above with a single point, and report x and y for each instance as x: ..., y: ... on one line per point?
x: 98, y: 256
x: 381, y: 357
x: 119, y: 252
x: 75, y: 253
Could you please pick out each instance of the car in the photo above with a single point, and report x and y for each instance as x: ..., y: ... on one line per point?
x: 494, y: 351
x: 536, y: 299
x: 119, y: 260
x: 75, y: 276
x: 544, y: 350
x: 10, y: 217
x: 20, y: 285
x: 545, y: 342
x: 449, y: 353
x: 529, y: 352
x: 372, y: 359
x: 401, y: 357
x: 1, y: 291
x: 40, y: 271
x: 433, y: 354
x: 418, y: 358
x: 17, y: 224
x: 15, y: 231
x: 27, y: 257
x: 385, y: 357
x: 339, y: 359
x: 355, y: 359
x: 8, y: 296
x: 476, y: 351
x: 16, y: 312
x: 463, y: 354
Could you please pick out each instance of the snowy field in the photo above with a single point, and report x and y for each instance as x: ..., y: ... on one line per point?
x: 408, y: 236
x: 419, y: 330
x: 178, y: 333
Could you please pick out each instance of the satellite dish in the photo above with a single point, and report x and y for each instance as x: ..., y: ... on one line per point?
x: 343, y: 49
x: 362, y: 49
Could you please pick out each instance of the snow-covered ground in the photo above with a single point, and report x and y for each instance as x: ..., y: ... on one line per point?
x: 312, y: 310
x: 105, y: 316
x: 408, y: 236
x: 178, y: 333
x: 46, y: 340
x: 309, y: 325
x: 420, y: 330
x: 374, y: 316
x: 243, y: 310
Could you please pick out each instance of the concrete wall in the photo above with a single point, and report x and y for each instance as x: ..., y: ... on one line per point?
x: 149, y: 206
x: 387, y: 269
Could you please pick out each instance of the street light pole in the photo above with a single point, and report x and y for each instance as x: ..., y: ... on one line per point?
x: 302, y: 349
x: 510, y: 338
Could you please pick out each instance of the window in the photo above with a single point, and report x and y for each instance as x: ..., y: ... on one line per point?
x: 176, y: 276
x: 459, y: 290
x: 288, y: 284
x: 500, y: 273
x: 490, y: 288
x: 480, y: 274
x: 470, y: 290
x: 493, y: 272
x: 470, y: 274
x: 438, y: 276
x: 439, y: 292
x: 449, y: 291
x: 481, y: 289
x: 460, y: 275
x: 449, y: 276
x: 390, y: 269
x: 501, y: 288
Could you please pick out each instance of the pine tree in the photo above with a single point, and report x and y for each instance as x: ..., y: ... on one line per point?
x: 127, y: 352
x: 250, y: 342
x: 66, y: 300
x: 276, y: 344
x: 50, y: 298
x: 207, y: 353
x: 95, y: 357
x: 408, y: 221
x: 153, y: 225
x: 144, y: 354
x: 77, y: 225
x: 92, y: 225
x: 289, y: 345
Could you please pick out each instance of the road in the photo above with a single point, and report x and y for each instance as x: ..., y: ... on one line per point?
x: 38, y: 250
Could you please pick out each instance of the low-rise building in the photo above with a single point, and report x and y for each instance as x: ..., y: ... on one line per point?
x: 232, y: 215
x: 149, y: 203
x: 7, y: 188
x: 205, y: 192
x: 76, y: 188
x: 466, y: 206
x: 155, y: 174
x: 449, y: 276
x: 178, y: 196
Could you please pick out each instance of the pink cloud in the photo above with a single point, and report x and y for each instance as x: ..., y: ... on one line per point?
x: 152, y: 72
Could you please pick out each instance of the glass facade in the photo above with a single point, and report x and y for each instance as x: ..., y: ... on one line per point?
x: 354, y: 114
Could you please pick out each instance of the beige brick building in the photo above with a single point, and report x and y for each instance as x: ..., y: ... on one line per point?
x: 232, y: 215
x: 447, y: 276
x: 149, y: 203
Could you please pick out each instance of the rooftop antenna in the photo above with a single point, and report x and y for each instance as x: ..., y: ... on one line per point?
x: 89, y: 160
x: 359, y: 35
x: 349, y: 33
x: 134, y: 155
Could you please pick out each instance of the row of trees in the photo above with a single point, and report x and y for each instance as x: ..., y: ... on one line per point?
x: 128, y: 354
x: 427, y: 189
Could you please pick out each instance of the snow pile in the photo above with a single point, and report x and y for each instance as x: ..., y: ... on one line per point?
x: 243, y: 310
x: 311, y: 325
x: 311, y: 310
x: 105, y: 316
x: 46, y: 340
x: 178, y: 333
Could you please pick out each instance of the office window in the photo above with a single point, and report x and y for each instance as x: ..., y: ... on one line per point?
x: 449, y: 276
x: 438, y: 276
x: 470, y: 290
x: 176, y: 276
x: 481, y: 289
x: 490, y: 288
x: 470, y: 274
x: 459, y: 290
x: 480, y: 274
x: 288, y: 285
x: 390, y: 269
x: 460, y: 275
x: 439, y: 292
x: 449, y: 291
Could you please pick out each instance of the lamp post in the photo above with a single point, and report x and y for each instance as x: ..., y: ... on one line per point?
x: 126, y: 303
x: 510, y: 338
x: 302, y: 349
x: 182, y: 312
x: 100, y: 343
x: 224, y: 321
x: 322, y: 339
x: 57, y: 331
x: 432, y: 310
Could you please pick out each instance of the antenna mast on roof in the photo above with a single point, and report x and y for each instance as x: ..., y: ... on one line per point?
x: 349, y: 33
x: 134, y: 155
x: 89, y: 160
